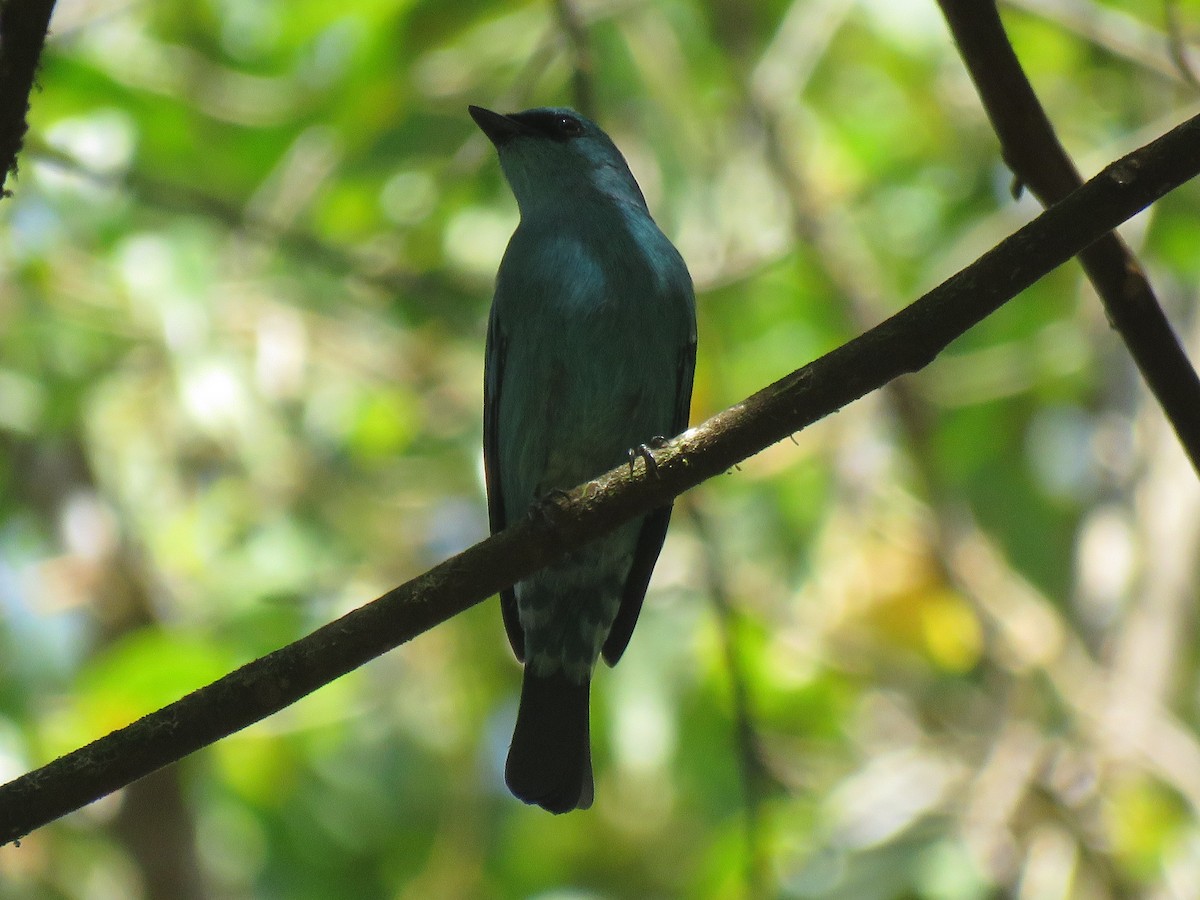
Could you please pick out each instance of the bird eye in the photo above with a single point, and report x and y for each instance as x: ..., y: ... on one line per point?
x: 568, y: 126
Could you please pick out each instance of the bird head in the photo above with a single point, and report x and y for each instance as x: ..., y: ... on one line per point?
x: 553, y: 158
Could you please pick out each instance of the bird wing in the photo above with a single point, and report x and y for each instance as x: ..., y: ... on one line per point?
x: 654, y: 527
x: 493, y: 382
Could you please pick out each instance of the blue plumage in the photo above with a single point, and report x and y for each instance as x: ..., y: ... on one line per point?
x: 591, y: 349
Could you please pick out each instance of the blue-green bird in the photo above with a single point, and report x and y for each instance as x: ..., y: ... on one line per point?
x: 590, y: 352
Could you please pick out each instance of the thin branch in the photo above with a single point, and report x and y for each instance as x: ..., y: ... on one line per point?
x: 296, y: 243
x: 23, y: 25
x: 582, y: 68
x: 1177, y: 43
x: 852, y: 272
x: 1152, y: 635
x: 756, y: 780
x: 1032, y: 151
x: 1107, y: 28
x: 1035, y: 636
x: 906, y: 342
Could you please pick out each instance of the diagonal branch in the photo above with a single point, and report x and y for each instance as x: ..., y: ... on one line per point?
x: 23, y: 25
x: 904, y: 343
x: 1037, y: 159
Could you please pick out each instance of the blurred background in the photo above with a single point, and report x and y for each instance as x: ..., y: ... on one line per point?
x: 942, y: 645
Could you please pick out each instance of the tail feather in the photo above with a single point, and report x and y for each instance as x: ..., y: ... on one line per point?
x: 550, y: 758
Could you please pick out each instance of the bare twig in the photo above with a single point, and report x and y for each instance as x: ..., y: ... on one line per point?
x: 1109, y: 29
x: 296, y: 243
x: 582, y: 83
x: 754, y: 776
x: 1177, y: 42
x: 1038, y: 160
x: 852, y: 272
x: 1034, y: 636
x: 904, y: 343
x: 1154, y: 631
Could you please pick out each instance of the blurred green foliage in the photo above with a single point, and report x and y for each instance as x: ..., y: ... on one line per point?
x: 939, y: 647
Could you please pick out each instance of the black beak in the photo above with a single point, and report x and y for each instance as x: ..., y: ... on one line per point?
x: 500, y: 129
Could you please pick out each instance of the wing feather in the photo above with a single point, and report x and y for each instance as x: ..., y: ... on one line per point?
x: 495, y: 356
x: 654, y: 527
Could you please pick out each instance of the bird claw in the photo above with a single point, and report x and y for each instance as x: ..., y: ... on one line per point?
x: 645, y: 451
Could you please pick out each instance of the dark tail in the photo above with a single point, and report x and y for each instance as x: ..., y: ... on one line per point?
x: 550, y: 758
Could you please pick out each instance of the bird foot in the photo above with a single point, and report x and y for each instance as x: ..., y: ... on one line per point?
x: 646, y: 453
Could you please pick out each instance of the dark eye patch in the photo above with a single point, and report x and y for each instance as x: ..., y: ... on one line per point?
x: 557, y: 126
x: 568, y: 126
